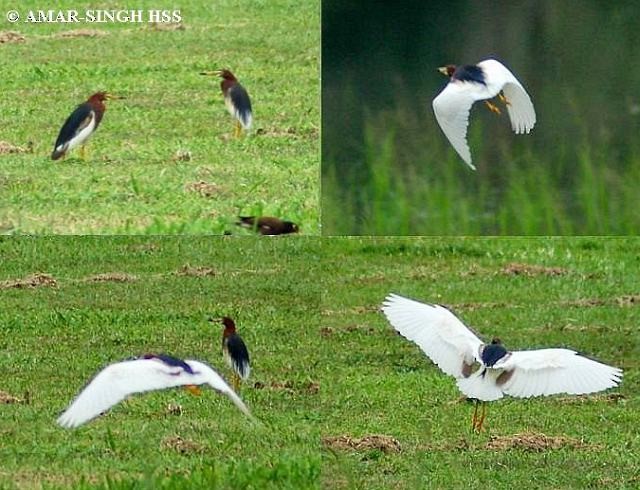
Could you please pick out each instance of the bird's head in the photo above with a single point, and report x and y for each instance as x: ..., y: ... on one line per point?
x: 447, y: 70
x: 496, y: 341
x: 228, y: 323
x: 102, y: 96
x: 290, y: 227
x: 224, y: 73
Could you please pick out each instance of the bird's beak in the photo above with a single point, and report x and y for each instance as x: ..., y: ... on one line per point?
x: 215, y: 73
x: 114, y: 97
x: 443, y: 70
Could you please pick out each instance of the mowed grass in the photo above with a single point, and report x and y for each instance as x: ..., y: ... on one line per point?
x: 154, y: 295
x: 580, y: 293
x: 133, y: 180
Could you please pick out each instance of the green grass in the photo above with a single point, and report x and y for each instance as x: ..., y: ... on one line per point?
x: 130, y: 182
x: 53, y: 339
x: 407, y: 182
x: 329, y: 363
x: 379, y: 383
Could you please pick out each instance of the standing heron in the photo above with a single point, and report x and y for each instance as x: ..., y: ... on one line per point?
x: 81, y: 124
x: 236, y: 99
x: 234, y: 350
x: 522, y: 374
x: 151, y: 372
x: 470, y: 83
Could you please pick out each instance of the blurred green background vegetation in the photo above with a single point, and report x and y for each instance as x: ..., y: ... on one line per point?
x: 388, y: 169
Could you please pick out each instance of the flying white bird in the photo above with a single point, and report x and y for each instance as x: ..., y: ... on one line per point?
x: 456, y: 350
x: 153, y: 372
x: 470, y: 83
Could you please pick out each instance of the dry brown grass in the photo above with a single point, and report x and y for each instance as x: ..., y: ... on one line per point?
x: 7, y: 399
x: 386, y: 444
x: 32, y: 281
x: 536, y: 442
x: 11, y: 37
x: 195, y: 271
x: 111, y: 277
x: 205, y: 189
x: 529, y: 270
x: 8, y: 148
x: 80, y: 33
x: 182, y: 446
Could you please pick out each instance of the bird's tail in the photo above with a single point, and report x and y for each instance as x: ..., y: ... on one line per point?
x: 481, y: 385
x: 57, y: 153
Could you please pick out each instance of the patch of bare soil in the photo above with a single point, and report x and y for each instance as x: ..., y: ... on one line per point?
x: 386, y: 444
x: 276, y: 132
x: 80, y: 33
x: 182, y: 156
x: 33, y: 281
x: 585, y: 302
x: 195, y: 271
x: 628, y: 300
x: 167, y: 26
x: 145, y: 247
x: 476, y: 306
x: 174, y: 409
x: 11, y: 37
x: 7, y: 148
x: 7, y: 399
x: 528, y: 270
x: 326, y: 331
x: 205, y: 189
x: 601, y: 398
x: 182, y: 446
x: 530, y: 441
x: 111, y: 277
x: 309, y: 387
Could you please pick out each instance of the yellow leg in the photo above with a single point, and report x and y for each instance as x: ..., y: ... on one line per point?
x: 483, y: 416
x: 474, y: 420
x: 492, y: 107
x: 237, y: 130
x: 83, y: 152
x: 193, y: 389
x: 503, y: 99
x: 236, y: 382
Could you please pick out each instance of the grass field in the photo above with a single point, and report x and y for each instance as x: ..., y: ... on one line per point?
x: 133, y: 180
x: 407, y: 180
x: 330, y: 372
x: 581, y: 293
x: 154, y: 296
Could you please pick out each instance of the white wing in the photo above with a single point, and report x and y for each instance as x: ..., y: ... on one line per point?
x: 213, y: 379
x: 520, y: 108
x: 117, y: 381
x: 437, y: 331
x: 552, y: 371
x: 451, y: 108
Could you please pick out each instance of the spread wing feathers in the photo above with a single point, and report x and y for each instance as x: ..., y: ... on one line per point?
x: 553, y: 371
x: 117, y: 381
x: 481, y: 386
x: 451, y: 108
x: 437, y: 331
x: 240, y: 105
x: 520, y: 108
